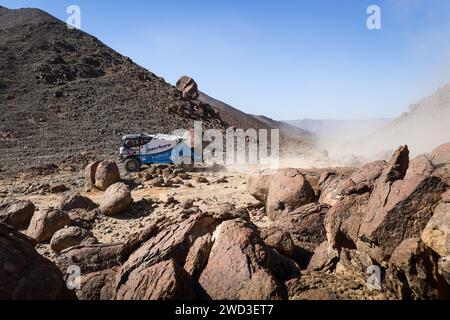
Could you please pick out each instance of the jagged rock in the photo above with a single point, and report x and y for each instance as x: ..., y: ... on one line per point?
x: 107, y: 174
x: 17, y: 213
x: 441, y: 155
x: 237, y: 265
x: 198, y: 254
x: 70, y: 237
x: 76, y: 201
x: 45, y: 223
x: 188, y: 88
x: 437, y: 232
x: 342, y: 221
x: 413, y: 272
x: 90, y: 171
x: 324, y: 257
x: 116, y: 199
x: 366, y: 177
x: 281, y: 241
x: 168, y: 240
x: 397, y: 165
x: 288, y: 190
x: 24, y: 273
x: 258, y: 185
x: 95, y: 286
x: 401, y: 203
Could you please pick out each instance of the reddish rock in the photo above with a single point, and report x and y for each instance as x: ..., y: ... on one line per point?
x: 45, y: 223
x: 107, y: 174
x: 24, y: 273
x: 188, y: 88
x: 238, y: 265
x: 324, y: 257
x: 116, y: 199
x: 76, y: 201
x: 288, y: 190
x: 342, y: 221
x: 198, y: 254
x: 441, y: 155
x: 305, y: 225
x: 258, y: 185
x: 400, y: 204
x: 89, y: 172
x: 412, y: 271
x: 70, y: 237
x: 17, y: 213
x: 165, y: 280
x: 281, y: 241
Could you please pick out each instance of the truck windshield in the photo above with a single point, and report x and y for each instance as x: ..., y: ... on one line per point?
x: 130, y: 143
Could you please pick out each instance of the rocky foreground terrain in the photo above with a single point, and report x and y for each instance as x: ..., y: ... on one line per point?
x: 289, y: 234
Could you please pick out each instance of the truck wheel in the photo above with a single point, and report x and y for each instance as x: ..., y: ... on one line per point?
x: 132, y: 165
x: 187, y: 163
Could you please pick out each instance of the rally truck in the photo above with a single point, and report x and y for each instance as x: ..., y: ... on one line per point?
x: 146, y: 149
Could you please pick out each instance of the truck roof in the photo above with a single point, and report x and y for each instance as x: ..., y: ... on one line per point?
x: 159, y: 135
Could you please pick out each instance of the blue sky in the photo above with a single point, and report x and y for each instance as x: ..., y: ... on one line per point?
x: 284, y: 59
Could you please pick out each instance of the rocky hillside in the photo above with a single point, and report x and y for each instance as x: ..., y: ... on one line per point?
x: 63, y: 92
x: 339, y: 129
x: 423, y: 127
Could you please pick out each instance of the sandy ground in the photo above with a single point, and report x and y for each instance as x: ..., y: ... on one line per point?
x: 119, y: 228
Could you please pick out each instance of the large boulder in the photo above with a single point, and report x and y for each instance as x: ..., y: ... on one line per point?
x: 169, y: 243
x: 288, y: 190
x: 107, y: 174
x: 70, y: 237
x: 237, y: 267
x: 437, y: 232
x: 441, y: 155
x: 258, y: 185
x: 116, y: 199
x: 17, y: 213
x: 24, y: 273
x: 413, y: 273
x: 401, y: 203
x: 45, y: 223
x: 76, y: 201
x: 188, y: 88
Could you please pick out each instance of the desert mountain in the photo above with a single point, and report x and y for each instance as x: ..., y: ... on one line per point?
x: 63, y: 91
x: 340, y: 128
x: 423, y: 127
